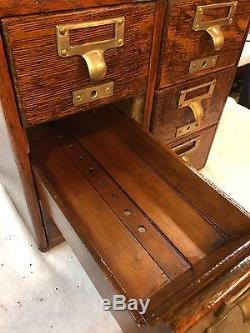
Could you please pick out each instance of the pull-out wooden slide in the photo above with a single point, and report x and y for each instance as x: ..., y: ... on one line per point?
x: 155, y: 228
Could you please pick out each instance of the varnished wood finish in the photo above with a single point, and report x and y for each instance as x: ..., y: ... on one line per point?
x: 167, y: 117
x: 210, y: 201
x: 120, y: 187
x: 26, y: 7
x: 154, y: 62
x: 196, y: 158
x: 181, y: 44
x: 15, y: 172
x: 45, y: 81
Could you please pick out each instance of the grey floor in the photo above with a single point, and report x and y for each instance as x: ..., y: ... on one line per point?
x: 41, y: 293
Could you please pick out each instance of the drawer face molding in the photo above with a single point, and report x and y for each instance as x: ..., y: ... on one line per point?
x: 195, y: 33
x: 184, y: 108
x: 54, y: 57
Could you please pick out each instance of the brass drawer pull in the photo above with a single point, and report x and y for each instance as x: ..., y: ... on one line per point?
x: 213, y: 28
x: 195, y: 104
x: 92, y: 53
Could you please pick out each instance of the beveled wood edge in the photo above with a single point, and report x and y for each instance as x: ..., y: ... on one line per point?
x: 211, y: 298
x: 29, y: 7
x: 154, y: 62
x: 20, y: 148
x: 167, y: 302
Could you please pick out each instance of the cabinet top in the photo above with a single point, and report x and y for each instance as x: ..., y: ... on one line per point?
x: 26, y: 7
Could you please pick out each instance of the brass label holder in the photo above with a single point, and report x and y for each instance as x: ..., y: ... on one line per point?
x: 195, y: 104
x: 202, y: 64
x: 92, y: 53
x: 213, y: 28
x: 186, y: 148
x: 93, y: 93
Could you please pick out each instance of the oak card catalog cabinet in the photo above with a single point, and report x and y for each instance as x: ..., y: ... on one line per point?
x: 97, y: 100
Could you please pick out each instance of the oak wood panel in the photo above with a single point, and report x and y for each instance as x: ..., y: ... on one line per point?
x: 167, y: 117
x: 181, y: 44
x: 95, y: 222
x: 154, y: 62
x: 26, y: 7
x: 197, y: 158
x: 44, y: 81
x: 170, y: 301
x: 210, y: 201
x: 15, y: 172
x: 165, y: 208
x: 134, y: 323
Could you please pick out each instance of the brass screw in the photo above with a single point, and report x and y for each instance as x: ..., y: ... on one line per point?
x: 196, y: 28
x: 120, y: 41
x: 121, y: 21
x: 78, y: 98
x: 62, y: 31
x: 64, y: 52
x: 231, y: 21
x: 108, y: 90
x: 200, y: 10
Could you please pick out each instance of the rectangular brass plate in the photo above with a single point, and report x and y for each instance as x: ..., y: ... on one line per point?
x: 202, y: 64
x: 183, y: 101
x: 203, y: 25
x: 193, y: 144
x: 93, y: 93
x: 67, y: 50
x: 185, y: 129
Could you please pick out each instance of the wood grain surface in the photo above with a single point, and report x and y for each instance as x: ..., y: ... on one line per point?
x: 167, y: 117
x: 181, y: 44
x: 45, y: 81
x: 15, y: 171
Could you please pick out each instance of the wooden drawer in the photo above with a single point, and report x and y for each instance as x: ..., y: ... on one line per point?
x: 49, y: 56
x: 189, y: 50
x: 195, y: 149
x: 187, y: 107
x: 150, y: 224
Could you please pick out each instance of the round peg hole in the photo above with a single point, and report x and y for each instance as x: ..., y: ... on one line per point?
x: 80, y: 158
x: 94, y: 94
x: 127, y: 212
x: 142, y: 229
x: 70, y: 146
x: 91, y: 169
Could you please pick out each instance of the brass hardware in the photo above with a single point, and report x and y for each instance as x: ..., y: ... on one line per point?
x: 185, y: 129
x: 213, y: 28
x: 92, y: 53
x: 186, y: 148
x: 195, y: 105
x: 93, y: 93
x: 202, y: 64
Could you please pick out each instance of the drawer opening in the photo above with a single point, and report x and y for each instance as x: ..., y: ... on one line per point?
x: 121, y: 193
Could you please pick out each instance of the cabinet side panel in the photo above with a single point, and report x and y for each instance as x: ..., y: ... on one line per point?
x: 15, y: 172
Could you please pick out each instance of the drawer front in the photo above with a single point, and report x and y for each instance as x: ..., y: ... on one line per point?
x: 67, y: 63
x: 195, y: 149
x: 202, y: 37
x: 191, y: 106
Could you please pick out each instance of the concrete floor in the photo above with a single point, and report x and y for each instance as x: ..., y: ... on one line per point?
x: 50, y: 292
